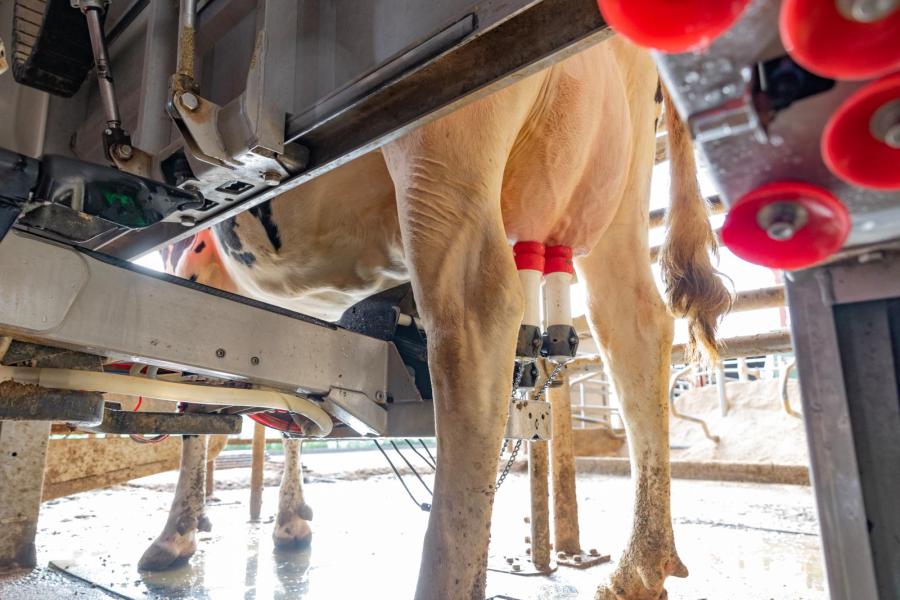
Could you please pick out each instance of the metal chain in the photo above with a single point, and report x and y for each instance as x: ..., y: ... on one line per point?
x: 509, y: 464
x: 559, y: 366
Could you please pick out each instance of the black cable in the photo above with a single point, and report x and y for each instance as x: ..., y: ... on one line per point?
x: 412, y: 468
x: 429, y: 453
x: 423, y: 505
x: 419, y: 454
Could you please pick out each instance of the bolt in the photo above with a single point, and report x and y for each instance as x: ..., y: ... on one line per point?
x: 528, y: 551
x: 188, y: 220
x: 892, y: 137
x: 527, y: 539
x: 594, y: 552
x: 510, y: 560
x: 781, y: 231
x: 528, y: 519
x: 254, y: 360
x: 517, y: 567
x: 577, y: 558
x: 272, y: 177
x: 123, y: 151
x: 220, y: 353
x: 561, y: 555
x: 782, y: 220
x: 190, y: 101
x: 867, y: 11
x: 885, y: 123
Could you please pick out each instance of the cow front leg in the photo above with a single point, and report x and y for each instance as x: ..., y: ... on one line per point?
x: 470, y: 299
x: 292, y: 524
x: 177, y: 542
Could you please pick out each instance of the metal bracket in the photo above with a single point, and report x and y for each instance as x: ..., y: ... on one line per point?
x: 22, y: 402
x: 157, y: 423
x: 529, y: 420
x: 68, y: 298
x: 582, y: 560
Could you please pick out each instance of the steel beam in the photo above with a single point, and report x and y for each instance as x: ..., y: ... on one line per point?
x: 829, y: 433
x: 68, y: 298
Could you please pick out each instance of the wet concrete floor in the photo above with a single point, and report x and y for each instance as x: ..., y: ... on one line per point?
x: 740, y: 541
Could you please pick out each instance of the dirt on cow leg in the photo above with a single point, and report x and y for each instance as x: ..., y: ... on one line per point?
x: 448, y: 177
x: 177, y: 542
x: 292, y: 528
x: 632, y: 325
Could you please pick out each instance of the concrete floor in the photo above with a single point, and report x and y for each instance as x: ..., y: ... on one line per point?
x: 740, y: 541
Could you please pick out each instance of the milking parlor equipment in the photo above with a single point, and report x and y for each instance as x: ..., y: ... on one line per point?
x: 795, y: 106
x: 136, y: 126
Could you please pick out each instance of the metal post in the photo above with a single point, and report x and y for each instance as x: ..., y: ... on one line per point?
x: 256, y: 470
x: 104, y: 73
x: 720, y: 388
x: 565, y: 501
x: 540, y: 509
x: 743, y: 372
x: 23, y: 453
x: 187, y: 29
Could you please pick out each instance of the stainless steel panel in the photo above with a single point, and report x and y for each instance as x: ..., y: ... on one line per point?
x: 42, y: 269
x: 746, y: 156
x: 55, y: 294
x: 834, y: 467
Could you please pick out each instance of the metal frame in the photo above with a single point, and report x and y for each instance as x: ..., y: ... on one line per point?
x: 482, y: 49
x: 73, y: 299
x: 744, y: 145
x: 848, y: 351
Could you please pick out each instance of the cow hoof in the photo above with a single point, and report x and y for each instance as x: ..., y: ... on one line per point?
x: 294, y: 534
x: 605, y: 593
x: 631, y: 581
x: 168, y: 553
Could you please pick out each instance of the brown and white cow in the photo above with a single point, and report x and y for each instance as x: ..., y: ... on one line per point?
x: 562, y: 157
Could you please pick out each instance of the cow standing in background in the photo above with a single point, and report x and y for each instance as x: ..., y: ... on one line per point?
x: 562, y: 157
x: 199, y: 260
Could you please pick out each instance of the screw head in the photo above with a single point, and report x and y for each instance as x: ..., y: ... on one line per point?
x: 510, y: 560
x: 379, y: 396
x: 190, y: 101
x: 123, y: 151
x: 220, y: 353
x: 577, y: 558
x: 188, y: 220
x: 594, y: 552
x: 782, y: 220
x: 272, y: 177
x: 527, y: 539
x: 254, y: 360
x: 517, y: 567
x: 781, y: 231
x: 561, y: 555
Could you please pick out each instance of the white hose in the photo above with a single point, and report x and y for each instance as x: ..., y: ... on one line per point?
x: 91, y: 381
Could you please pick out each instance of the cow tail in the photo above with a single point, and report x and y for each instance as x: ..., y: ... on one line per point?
x: 694, y: 288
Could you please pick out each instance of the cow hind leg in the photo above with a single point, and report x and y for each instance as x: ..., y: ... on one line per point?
x: 630, y: 322
x: 292, y: 523
x: 448, y: 181
x: 177, y: 542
